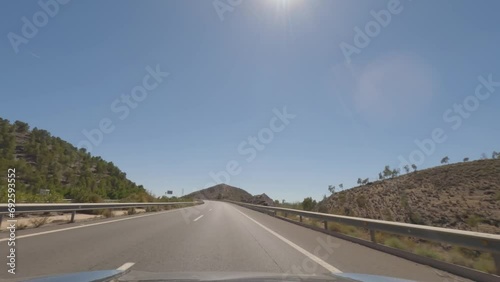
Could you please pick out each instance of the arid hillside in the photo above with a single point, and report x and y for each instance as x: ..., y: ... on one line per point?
x: 221, y: 192
x: 462, y: 196
x: 261, y: 199
x: 227, y: 192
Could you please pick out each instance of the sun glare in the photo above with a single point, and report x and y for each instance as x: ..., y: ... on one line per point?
x: 286, y: 4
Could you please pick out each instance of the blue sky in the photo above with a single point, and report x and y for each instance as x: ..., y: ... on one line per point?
x: 227, y: 73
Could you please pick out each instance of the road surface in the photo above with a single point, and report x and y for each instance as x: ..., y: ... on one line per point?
x: 215, y: 236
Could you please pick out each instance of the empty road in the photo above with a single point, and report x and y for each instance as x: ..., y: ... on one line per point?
x: 215, y: 236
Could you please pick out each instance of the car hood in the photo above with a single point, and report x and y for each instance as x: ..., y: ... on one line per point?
x: 124, y: 276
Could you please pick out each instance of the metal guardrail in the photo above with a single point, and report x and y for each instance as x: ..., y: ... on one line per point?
x: 104, y: 201
x: 75, y: 207
x: 474, y: 240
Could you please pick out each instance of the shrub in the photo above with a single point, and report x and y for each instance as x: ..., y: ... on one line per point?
x: 361, y: 201
x: 394, y: 242
x: 308, y: 204
x: 85, y: 196
x: 140, y: 197
x: 335, y: 227
x: 153, y: 209
x: 415, y: 218
x: 485, y: 263
x: 427, y: 252
x: 473, y: 221
x: 107, y: 213
x: 53, y: 197
x: 39, y: 221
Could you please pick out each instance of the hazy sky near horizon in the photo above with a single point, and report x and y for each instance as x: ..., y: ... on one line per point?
x: 361, y: 90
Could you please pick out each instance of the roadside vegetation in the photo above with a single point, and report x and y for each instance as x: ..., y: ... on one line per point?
x: 452, y: 254
x: 461, y: 195
x: 48, y: 165
x: 39, y: 221
x: 50, y: 170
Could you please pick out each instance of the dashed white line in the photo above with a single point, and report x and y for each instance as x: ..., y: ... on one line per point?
x: 210, y: 210
x: 126, y: 266
x: 314, y: 258
x: 198, y: 217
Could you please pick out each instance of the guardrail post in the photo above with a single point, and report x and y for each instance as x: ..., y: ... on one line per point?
x: 286, y: 214
x: 326, y: 224
x: 496, y: 259
x: 300, y: 217
x: 372, y: 236
x: 73, y: 213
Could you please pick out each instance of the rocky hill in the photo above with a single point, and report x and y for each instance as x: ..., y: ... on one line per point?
x: 43, y: 161
x: 462, y: 196
x: 261, y: 199
x: 221, y: 192
x: 227, y: 192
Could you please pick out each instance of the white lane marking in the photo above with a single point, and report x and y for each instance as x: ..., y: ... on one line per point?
x: 126, y: 266
x: 295, y: 246
x: 210, y: 210
x: 88, y: 225
x: 198, y: 218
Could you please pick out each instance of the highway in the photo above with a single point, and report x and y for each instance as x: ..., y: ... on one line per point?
x: 215, y: 236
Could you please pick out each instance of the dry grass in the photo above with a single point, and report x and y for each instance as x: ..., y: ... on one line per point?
x: 39, y: 221
x: 456, y: 255
x: 153, y: 209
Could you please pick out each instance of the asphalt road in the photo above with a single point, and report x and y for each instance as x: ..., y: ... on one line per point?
x: 214, y: 236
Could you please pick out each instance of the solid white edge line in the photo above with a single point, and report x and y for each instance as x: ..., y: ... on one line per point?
x: 314, y: 258
x: 198, y: 217
x: 126, y: 266
x: 88, y: 225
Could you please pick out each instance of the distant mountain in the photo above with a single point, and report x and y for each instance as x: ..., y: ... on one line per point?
x: 221, y: 192
x: 46, y: 162
x: 227, y: 192
x: 462, y: 196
